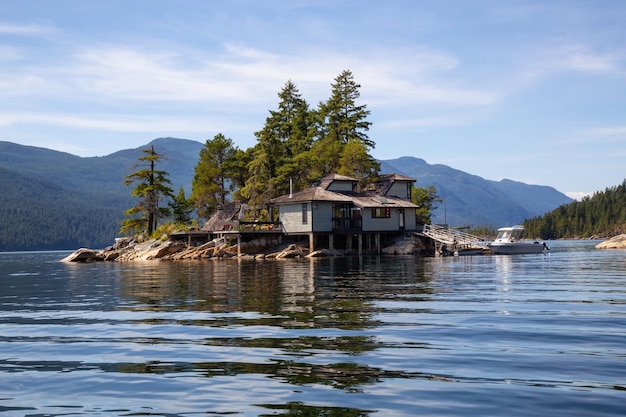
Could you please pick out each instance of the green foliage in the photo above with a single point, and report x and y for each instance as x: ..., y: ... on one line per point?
x: 181, y: 208
x: 41, y: 215
x: 280, y: 143
x: 298, y: 145
x: 151, y: 187
x: 601, y: 215
x: 212, y: 182
x: 343, y: 119
x: 426, y: 199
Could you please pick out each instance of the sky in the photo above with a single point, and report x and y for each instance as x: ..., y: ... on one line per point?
x: 532, y: 91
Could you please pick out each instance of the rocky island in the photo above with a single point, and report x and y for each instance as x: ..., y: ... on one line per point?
x: 616, y: 242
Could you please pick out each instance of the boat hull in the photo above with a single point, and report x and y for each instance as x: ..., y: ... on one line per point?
x: 514, y: 248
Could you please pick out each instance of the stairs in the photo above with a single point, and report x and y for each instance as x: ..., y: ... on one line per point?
x: 451, y: 236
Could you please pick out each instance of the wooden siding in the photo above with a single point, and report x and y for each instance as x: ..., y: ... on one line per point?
x: 290, y: 215
x: 391, y: 224
x: 322, y: 217
x: 400, y: 189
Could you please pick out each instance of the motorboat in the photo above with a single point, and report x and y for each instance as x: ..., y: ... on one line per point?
x: 510, y: 242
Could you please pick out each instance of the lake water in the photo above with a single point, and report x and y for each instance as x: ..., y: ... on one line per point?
x: 525, y: 335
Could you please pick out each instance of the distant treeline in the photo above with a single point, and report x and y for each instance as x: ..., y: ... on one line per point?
x: 601, y: 215
x: 40, y: 215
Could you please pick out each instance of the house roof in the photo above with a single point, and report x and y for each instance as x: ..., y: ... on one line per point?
x: 361, y: 200
x: 396, y: 177
x: 387, y: 180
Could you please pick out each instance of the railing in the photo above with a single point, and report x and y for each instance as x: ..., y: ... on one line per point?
x: 347, y: 224
x: 450, y: 236
x: 259, y: 227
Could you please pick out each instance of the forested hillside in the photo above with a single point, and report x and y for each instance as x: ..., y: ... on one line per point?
x: 40, y: 214
x: 53, y: 200
x: 599, y: 216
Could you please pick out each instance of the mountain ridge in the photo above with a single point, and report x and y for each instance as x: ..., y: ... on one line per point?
x: 89, y: 193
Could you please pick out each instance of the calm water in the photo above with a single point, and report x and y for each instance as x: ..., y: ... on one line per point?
x: 525, y: 335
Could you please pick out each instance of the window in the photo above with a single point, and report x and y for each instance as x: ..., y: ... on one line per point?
x: 305, y: 214
x: 381, y: 213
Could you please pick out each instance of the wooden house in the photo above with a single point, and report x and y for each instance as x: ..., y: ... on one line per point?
x: 333, y: 211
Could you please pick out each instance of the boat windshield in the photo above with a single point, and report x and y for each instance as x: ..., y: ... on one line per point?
x: 504, y: 234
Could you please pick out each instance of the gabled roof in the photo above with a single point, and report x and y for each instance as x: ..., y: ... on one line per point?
x: 387, y: 180
x: 326, y: 181
x: 310, y: 194
x: 362, y: 200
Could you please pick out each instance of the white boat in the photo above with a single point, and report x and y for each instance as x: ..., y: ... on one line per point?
x: 510, y: 242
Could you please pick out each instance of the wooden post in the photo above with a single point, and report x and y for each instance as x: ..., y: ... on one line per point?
x: 311, y: 242
x: 331, y: 242
x: 360, y: 237
x: 238, y: 244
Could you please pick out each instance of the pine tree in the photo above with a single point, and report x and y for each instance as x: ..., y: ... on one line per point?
x: 212, y: 183
x: 344, y: 120
x: 341, y: 127
x: 181, y: 208
x: 151, y: 188
x: 282, y: 139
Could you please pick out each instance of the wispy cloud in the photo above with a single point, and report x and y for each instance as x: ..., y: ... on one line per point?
x: 25, y: 30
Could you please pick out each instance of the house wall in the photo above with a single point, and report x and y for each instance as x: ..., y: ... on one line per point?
x: 400, y: 189
x: 341, y: 186
x: 290, y: 215
x: 322, y: 217
x: 390, y: 224
x: 319, y: 217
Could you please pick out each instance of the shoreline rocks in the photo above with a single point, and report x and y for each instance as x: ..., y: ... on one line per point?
x: 616, y: 242
x: 129, y: 249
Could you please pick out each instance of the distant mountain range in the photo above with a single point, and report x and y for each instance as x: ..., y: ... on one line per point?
x: 470, y: 200
x: 55, y: 200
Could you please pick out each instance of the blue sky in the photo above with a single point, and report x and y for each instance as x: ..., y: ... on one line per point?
x: 533, y: 91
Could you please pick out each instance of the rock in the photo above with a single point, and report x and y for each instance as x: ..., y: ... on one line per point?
x: 616, y: 242
x: 401, y: 247
x: 84, y: 255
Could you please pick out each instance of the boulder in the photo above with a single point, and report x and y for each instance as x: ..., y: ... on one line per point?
x: 616, y: 242
x: 84, y: 255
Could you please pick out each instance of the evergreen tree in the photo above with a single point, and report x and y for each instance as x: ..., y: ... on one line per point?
x: 343, y: 119
x: 426, y: 199
x: 212, y: 183
x: 151, y: 188
x: 356, y: 162
x: 341, y: 125
x: 181, y: 208
x: 282, y: 139
x: 601, y: 215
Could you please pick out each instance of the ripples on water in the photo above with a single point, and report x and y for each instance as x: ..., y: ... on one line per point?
x: 524, y: 335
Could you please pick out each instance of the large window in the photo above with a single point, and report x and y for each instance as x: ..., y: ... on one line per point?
x: 305, y: 214
x: 381, y: 213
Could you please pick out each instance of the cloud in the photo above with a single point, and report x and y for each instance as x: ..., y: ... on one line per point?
x: 608, y: 131
x: 577, y: 195
x: 25, y: 30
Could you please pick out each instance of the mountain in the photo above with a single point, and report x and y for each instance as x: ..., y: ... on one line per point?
x: 470, y: 200
x: 55, y: 200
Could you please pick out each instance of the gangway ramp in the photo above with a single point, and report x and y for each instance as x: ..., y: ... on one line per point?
x: 451, y: 237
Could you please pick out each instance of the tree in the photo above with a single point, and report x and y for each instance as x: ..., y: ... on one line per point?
x: 181, y: 208
x: 212, y: 183
x: 344, y: 120
x: 151, y: 188
x: 356, y: 162
x: 282, y: 139
x: 342, y: 143
x: 426, y: 199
